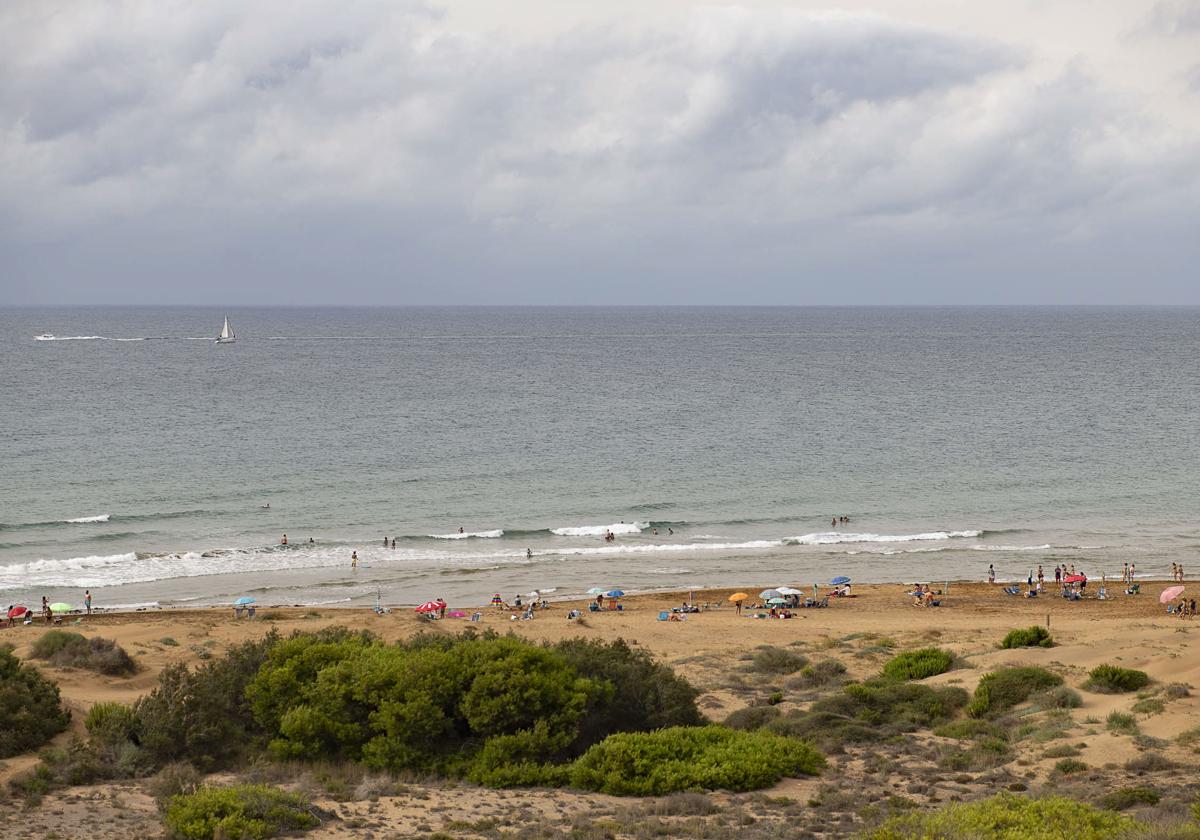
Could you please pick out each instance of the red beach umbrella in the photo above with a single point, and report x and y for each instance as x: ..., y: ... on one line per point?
x: 1075, y: 579
x: 430, y: 606
x: 1169, y: 594
x: 18, y: 611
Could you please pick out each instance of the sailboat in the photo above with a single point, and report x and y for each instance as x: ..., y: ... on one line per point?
x: 226, y: 336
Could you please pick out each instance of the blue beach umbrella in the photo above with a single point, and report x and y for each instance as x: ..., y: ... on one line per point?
x: 839, y: 580
x: 243, y: 601
x: 614, y: 593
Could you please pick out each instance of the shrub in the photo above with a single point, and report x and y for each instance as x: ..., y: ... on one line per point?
x: 751, y: 717
x: 773, y: 660
x: 1149, y: 762
x: 1069, y: 766
x: 31, y: 712
x: 1124, y: 798
x: 111, y: 723
x: 1062, y: 751
x: 1109, y: 679
x: 821, y: 673
x: 637, y: 693
x: 1149, y: 706
x: 1062, y: 697
x: 691, y: 758
x: 1000, y: 690
x: 1008, y: 817
x: 241, y: 811
x: 918, y: 664
x: 1035, y: 636
x: 1121, y: 723
x: 71, y: 650
x: 1188, y: 737
x: 970, y: 729
x: 202, y: 716
x: 176, y: 778
x: 1177, y: 690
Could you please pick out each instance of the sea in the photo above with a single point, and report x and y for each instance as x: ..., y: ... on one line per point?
x: 143, y: 462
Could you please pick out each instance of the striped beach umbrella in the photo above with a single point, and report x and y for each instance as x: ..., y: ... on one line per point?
x: 430, y: 607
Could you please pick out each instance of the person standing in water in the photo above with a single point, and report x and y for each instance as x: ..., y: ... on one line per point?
x: 991, y: 573
x: 284, y: 540
x: 353, y: 559
x: 460, y: 529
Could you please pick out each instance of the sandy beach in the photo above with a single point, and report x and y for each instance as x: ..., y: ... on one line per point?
x: 708, y: 648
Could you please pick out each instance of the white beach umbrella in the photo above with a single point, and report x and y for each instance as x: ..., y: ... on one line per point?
x: 787, y: 590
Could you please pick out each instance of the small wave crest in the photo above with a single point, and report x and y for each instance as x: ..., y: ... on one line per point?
x: 482, y: 535
x: 836, y: 537
x: 600, y: 530
x: 103, y: 517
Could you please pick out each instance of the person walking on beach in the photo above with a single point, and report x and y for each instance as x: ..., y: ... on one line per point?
x: 991, y: 573
x: 1125, y: 574
x: 1132, y: 571
x: 45, y: 609
x: 1041, y: 574
x: 737, y: 607
x: 353, y: 559
x: 87, y: 601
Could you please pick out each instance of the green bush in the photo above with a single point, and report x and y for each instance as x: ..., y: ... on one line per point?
x: 825, y: 672
x: 1035, y: 636
x: 635, y: 693
x: 1121, y: 723
x: 31, y: 712
x: 970, y: 729
x: 751, y: 717
x: 1068, y: 766
x: 202, y: 716
x: 1124, y: 798
x: 241, y: 812
x: 1000, y: 690
x: 1060, y: 697
x: 71, y: 650
x: 918, y: 664
x: 1008, y: 817
x: 1109, y: 679
x: 111, y: 722
x: 773, y: 660
x: 691, y: 758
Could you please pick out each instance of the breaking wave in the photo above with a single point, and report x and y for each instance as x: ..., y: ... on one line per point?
x: 600, y: 530
x: 483, y: 535
x: 836, y: 537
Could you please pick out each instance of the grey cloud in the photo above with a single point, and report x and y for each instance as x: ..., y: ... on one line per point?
x: 1172, y: 18
x: 379, y: 144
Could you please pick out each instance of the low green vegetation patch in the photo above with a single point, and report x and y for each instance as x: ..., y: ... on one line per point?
x: 773, y: 660
x: 751, y: 717
x: 690, y: 758
x: 1128, y: 797
x: 818, y: 674
x: 31, y: 711
x: 1069, y: 766
x: 1122, y: 723
x: 871, y: 711
x: 968, y: 729
x: 1000, y: 690
x: 1109, y: 679
x: 73, y: 650
x: 918, y: 664
x: 1035, y: 636
x: 240, y: 812
x: 1008, y: 817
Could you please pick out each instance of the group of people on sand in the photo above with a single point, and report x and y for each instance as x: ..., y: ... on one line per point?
x: 1186, y: 608
x: 924, y: 596
x: 11, y: 614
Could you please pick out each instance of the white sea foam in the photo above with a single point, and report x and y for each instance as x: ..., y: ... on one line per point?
x: 838, y: 537
x: 84, y: 519
x: 600, y: 530
x: 490, y: 535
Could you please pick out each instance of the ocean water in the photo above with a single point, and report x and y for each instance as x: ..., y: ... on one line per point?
x: 136, y: 455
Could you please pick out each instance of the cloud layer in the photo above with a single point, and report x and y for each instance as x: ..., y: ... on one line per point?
x: 376, y: 152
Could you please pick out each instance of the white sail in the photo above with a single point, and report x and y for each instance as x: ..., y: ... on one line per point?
x: 227, y: 336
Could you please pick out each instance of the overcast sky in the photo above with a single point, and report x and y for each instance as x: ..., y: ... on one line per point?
x: 561, y: 151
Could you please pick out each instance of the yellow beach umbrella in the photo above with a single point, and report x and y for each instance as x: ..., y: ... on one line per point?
x: 738, y: 596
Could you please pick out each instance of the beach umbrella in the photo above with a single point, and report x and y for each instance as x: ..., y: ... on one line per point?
x: 596, y: 590
x: 787, y: 590
x: 738, y: 596
x: 61, y: 607
x: 497, y: 600
x: 1168, y: 594
x: 17, y: 611
x: 1074, y: 578
x: 243, y: 601
x: 430, y: 607
x: 769, y: 593
x: 614, y: 593
x: 839, y: 580
x: 777, y: 601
